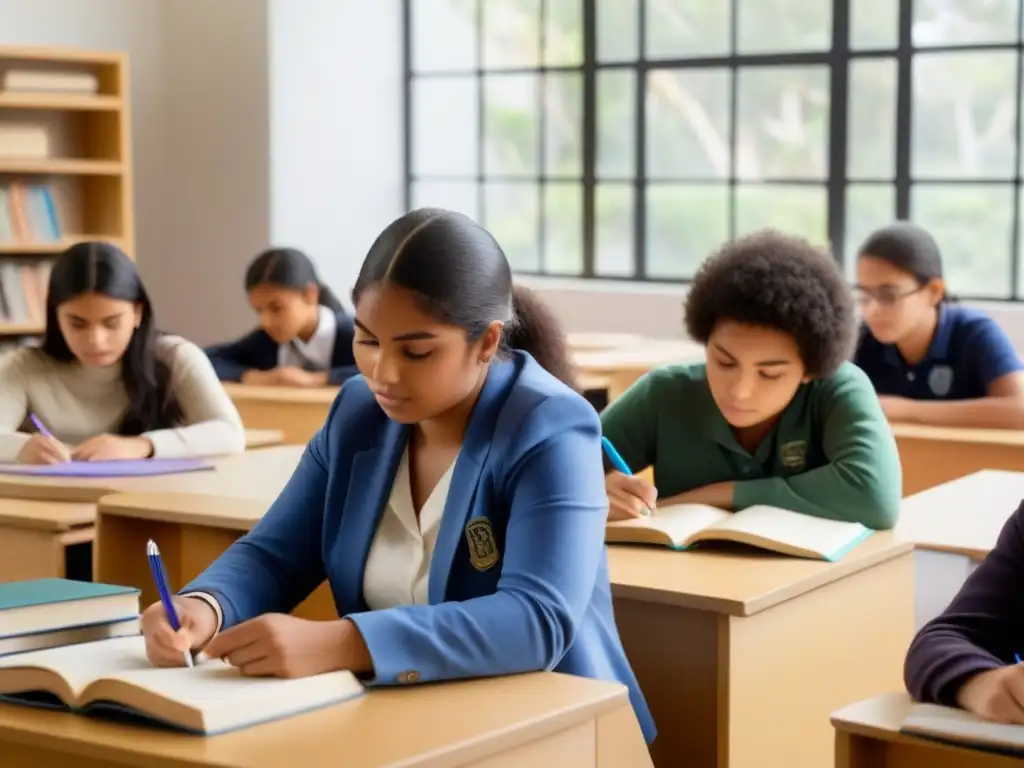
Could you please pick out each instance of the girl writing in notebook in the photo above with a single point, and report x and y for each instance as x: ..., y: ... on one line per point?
x: 931, y: 361
x: 775, y: 414
x: 453, y: 499
x: 105, y: 384
x: 968, y: 656
x: 305, y: 336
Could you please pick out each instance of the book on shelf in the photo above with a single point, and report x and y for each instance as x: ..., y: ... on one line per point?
x: 113, y: 677
x: 28, y: 214
x: 23, y: 287
x: 24, y: 140
x: 26, y: 80
x: 683, y: 526
x: 957, y: 726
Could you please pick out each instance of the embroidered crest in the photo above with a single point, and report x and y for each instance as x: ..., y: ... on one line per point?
x: 940, y: 380
x: 793, y: 454
x: 483, y: 547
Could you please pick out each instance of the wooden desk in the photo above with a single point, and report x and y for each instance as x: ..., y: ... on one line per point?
x: 867, y: 735
x: 931, y: 456
x: 256, y: 475
x: 297, y: 412
x: 621, y: 366
x: 34, y: 535
x: 585, y: 341
x: 541, y: 719
x: 263, y: 438
x: 716, y: 638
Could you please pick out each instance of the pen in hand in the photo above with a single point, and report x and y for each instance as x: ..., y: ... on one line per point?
x: 156, y: 565
x: 618, y: 463
x: 39, y: 425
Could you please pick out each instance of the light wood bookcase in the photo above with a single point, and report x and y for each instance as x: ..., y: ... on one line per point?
x: 88, y: 169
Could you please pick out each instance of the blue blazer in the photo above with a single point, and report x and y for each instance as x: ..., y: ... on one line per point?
x: 519, y: 578
x: 257, y: 351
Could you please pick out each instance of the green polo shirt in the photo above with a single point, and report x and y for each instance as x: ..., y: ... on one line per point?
x: 831, y: 454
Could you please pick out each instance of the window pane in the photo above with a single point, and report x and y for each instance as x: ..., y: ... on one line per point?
x: 679, y: 28
x: 956, y: 22
x: 770, y: 26
x: 617, y: 30
x: 614, y: 235
x: 563, y: 229
x: 964, y: 108
x: 793, y: 209
x: 511, y: 33
x: 511, y: 127
x: 563, y: 125
x: 871, y: 139
x: 458, y: 196
x: 868, y: 207
x: 563, y: 33
x: 443, y: 35
x: 874, y: 24
x: 684, y: 225
x: 444, y: 140
x: 688, y: 123
x: 616, y: 123
x: 783, y: 123
x: 973, y: 227
x: 511, y: 213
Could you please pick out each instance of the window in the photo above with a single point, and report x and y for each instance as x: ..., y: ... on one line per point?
x: 629, y: 138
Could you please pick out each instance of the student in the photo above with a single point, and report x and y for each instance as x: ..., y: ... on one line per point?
x: 452, y: 500
x: 931, y: 361
x: 775, y: 415
x: 967, y: 656
x: 305, y: 336
x: 104, y: 382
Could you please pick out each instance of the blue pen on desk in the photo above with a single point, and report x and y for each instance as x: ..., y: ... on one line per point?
x: 156, y: 565
x: 617, y: 461
x: 39, y: 425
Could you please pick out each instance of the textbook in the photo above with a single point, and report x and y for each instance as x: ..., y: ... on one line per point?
x: 682, y: 526
x: 957, y: 726
x: 84, y: 633
x: 114, y: 678
x: 45, y: 605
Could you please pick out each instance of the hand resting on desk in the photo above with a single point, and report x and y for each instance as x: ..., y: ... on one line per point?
x: 43, y: 449
x: 997, y: 694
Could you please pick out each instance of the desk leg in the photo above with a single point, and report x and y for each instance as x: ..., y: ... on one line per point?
x: 28, y: 553
x: 120, y: 557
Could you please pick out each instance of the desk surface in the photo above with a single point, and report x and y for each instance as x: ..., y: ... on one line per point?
x: 263, y: 438
x: 436, y: 725
x: 298, y: 395
x: 186, y: 509
x: 45, y: 515
x: 581, y: 341
x: 959, y: 434
x: 251, y: 475
x: 735, y: 583
x: 643, y: 356
x: 963, y: 516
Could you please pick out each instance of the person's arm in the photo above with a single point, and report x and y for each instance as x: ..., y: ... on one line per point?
x: 630, y: 423
x: 862, y: 481
x: 233, y: 359
x: 212, y: 425
x: 13, y: 404
x: 556, y: 493
x: 977, y: 631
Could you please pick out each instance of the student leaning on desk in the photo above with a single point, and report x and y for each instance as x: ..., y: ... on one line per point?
x: 104, y: 383
x: 930, y: 360
x: 775, y: 416
x: 453, y: 499
x: 305, y: 335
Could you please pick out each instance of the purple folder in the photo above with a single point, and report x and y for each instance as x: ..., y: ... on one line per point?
x: 117, y: 468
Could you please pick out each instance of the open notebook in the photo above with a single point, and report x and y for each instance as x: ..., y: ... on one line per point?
x: 114, y: 677
x: 958, y: 726
x: 680, y: 526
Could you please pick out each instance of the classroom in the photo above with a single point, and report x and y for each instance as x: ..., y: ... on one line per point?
x: 499, y: 383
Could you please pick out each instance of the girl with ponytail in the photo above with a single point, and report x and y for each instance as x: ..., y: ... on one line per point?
x: 453, y: 500
x: 305, y: 336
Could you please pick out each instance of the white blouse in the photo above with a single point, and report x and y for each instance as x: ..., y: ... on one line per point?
x: 398, y: 564
x: 317, y: 353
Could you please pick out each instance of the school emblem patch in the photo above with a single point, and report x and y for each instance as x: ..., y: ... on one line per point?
x: 940, y: 380
x: 483, y: 547
x: 793, y: 454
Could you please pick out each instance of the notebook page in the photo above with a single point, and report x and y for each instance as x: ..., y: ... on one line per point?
x: 81, y: 664
x: 678, y: 520
x: 958, y: 725
x: 812, y: 533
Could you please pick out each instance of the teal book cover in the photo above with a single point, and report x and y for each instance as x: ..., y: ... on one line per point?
x: 23, y: 594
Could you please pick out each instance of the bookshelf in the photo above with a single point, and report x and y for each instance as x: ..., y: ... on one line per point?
x: 65, y: 170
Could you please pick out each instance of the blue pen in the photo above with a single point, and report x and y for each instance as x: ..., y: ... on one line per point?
x: 617, y: 461
x: 156, y: 565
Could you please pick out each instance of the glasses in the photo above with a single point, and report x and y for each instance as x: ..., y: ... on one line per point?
x: 886, y: 296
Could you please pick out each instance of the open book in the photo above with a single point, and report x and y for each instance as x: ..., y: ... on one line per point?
x: 114, y: 676
x: 681, y: 526
x: 958, y: 726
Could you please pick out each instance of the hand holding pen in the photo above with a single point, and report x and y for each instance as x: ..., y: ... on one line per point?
x: 43, y: 447
x: 628, y: 495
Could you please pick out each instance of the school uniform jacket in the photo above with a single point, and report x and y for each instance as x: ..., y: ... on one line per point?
x: 519, y: 577
x: 257, y: 351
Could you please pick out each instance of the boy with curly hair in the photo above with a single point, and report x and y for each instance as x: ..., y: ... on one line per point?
x: 776, y: 414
